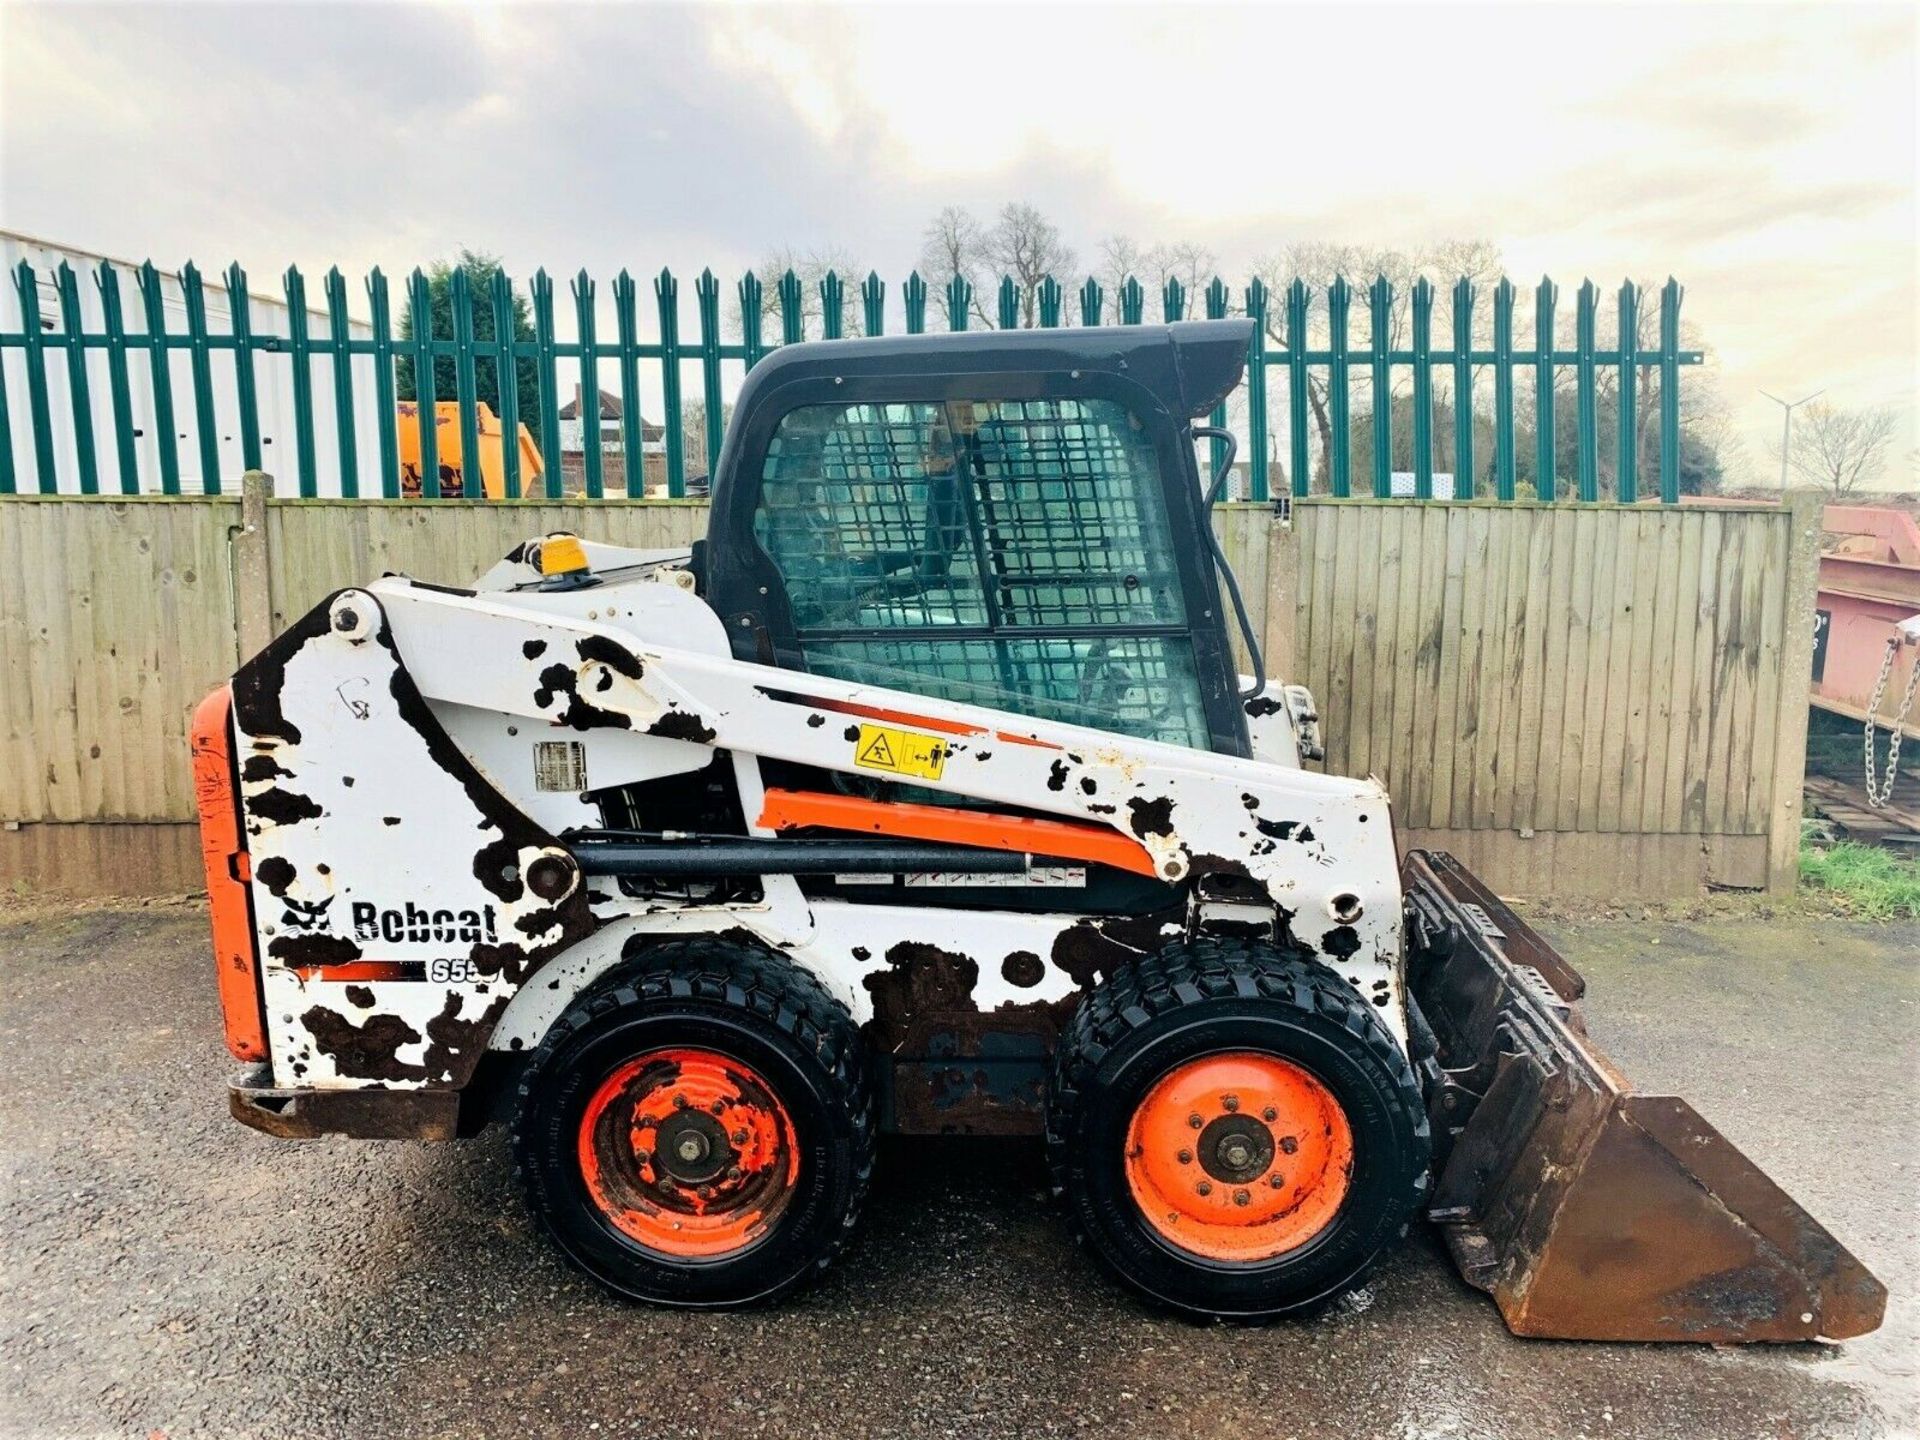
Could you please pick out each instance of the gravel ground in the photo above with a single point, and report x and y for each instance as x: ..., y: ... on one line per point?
x: 166, y: 1271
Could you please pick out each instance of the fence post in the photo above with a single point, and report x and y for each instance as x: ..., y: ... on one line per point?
x: 252, y: 568
x: 1283, y: 599
x: 1804, y: 508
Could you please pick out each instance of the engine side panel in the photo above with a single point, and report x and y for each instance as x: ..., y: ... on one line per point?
x: 393, y: 912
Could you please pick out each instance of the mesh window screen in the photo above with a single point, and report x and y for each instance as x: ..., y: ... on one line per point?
x: 1033, y: 532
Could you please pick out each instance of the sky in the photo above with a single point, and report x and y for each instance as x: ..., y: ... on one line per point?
x: 1763, y: 154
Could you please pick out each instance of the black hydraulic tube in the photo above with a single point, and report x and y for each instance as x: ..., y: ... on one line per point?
x: 1227, y: 577
x: 750, y: 855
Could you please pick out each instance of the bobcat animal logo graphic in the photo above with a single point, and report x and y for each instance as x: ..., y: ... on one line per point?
x: 306, y: 916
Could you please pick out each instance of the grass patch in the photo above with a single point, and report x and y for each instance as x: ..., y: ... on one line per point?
x: 1866, y: 880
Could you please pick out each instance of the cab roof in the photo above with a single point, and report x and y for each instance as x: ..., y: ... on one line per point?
x: 1189, y: 366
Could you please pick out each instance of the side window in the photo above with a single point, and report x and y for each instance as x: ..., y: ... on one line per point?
x: 1014, y: 554
x: 861, y: 508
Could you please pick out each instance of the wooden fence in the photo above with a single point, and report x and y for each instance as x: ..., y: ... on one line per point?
x: 1600, y: 701
x: 1575, y: 699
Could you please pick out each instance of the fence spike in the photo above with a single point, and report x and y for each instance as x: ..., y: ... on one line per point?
x: 1298, y: 298
x: 1546, y: 478
x: 593, y: 473
x: 832, y: 307
x: 384, y: 381
x: 1505, y: 476
x: 1050, y: 297
x: 667, y: 290
x: 1626, y: 417
x: 160, y: 374
x: 240, y: 319
x: 793, y: 318
x: 752, y: 318
x: 506, y: 368
x: 873, y: 301
x: 106, y: 280
x: 1379, y: 323
x: 1092, y: 301
x: 1009, y: 303
x: 39, y: 408
x: 707, y: 296
x: 1464, y: 480
x: 546, y: 369
x: 1339, y: 396
x: 339, y: 342
x: 300, y: 355
x: 1257, y: 392
x: 1422, y: 389
x: 959, y: 301
x: 1671, y: 295
x: 916, y: 297
x: 79, y: 395
x: 1216, y: 302
x: 425, y: 389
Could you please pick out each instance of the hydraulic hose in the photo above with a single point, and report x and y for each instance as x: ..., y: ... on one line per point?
x: 1227, y: 577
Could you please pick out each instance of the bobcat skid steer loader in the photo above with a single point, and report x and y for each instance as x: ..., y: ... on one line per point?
x: 923, y: 796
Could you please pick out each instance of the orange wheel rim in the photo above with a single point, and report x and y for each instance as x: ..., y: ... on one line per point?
x: 689, y: 1152
x: 1239, y: 1157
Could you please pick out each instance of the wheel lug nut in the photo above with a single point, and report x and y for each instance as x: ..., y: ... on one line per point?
x: 1230, y: 1102
x: 1269, y: 1114
x: 643, y: 1157
x: 740, y: 1137
x: 1239, y: 1197
x: 1194, y: 1122
x: 733, y: 1172
x: 1276, y: 1180
x: 1185, y: 1157
x: 719, y: 1107
x: 679, y: 1102
x: 1204, y: 1188
x: 706, y: 1191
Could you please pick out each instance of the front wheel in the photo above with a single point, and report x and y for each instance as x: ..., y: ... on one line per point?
x: 698, y: 1132
x: 1234, y: 1132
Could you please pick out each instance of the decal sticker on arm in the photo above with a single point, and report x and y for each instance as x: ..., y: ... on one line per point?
x: 900, y: 752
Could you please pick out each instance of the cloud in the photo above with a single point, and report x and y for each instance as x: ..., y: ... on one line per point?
x: 1765, y: 155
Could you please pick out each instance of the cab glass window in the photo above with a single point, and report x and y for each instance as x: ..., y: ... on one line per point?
x: 1013, y: 554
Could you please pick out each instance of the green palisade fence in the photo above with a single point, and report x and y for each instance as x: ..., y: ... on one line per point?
x: 339, y: 424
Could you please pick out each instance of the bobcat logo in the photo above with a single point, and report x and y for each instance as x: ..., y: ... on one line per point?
x: 306, y: 916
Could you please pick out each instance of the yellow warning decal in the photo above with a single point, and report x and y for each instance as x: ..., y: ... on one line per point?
x: 900, y: 752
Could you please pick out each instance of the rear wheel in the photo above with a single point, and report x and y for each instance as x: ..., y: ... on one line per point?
x: 699, y: 1131
x: 1235, y: 1133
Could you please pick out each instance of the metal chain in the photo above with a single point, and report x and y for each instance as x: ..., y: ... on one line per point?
x: 1878, y: 795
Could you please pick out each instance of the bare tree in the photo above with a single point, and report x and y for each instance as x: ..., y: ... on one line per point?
x: 954, y: 243
x: 1122, y: 257
x: 1026, y: 246
x: 1840, y: 450
x: 809, y: 267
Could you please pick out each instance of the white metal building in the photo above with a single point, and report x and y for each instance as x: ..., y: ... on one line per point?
x: 273, y: 380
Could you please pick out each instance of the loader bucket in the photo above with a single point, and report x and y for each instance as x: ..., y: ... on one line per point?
x: 1587, y: 1211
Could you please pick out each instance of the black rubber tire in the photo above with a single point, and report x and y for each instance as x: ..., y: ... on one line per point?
x: 1209, y: 996
x: 762, y: 1010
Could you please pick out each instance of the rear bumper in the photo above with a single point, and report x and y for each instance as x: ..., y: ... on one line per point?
x: 364, y: 1114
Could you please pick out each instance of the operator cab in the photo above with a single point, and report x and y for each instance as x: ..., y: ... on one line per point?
x: 1011, y: 519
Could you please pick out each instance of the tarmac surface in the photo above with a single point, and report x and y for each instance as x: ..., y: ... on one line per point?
x: 165, y: 1271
